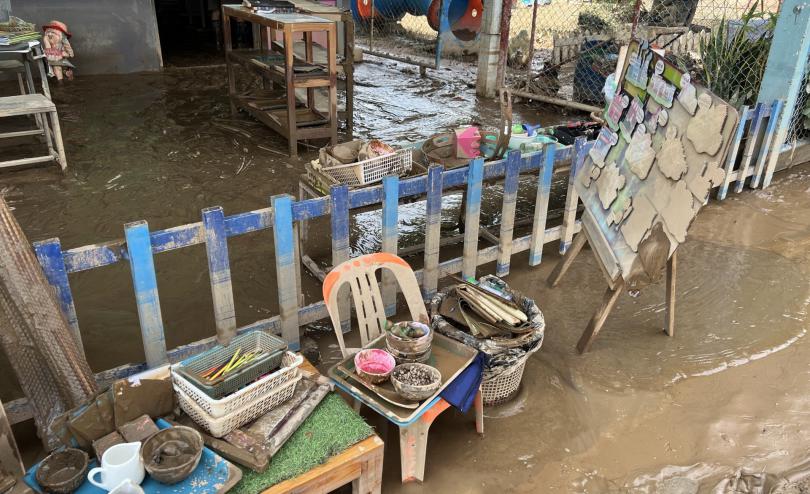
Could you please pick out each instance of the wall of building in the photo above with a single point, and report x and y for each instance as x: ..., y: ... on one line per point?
x: 109, y: 36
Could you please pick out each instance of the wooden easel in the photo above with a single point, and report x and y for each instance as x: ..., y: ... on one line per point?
x: 611, y: 295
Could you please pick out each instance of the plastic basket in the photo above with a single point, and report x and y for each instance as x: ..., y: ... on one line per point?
x: 251, y: 410
x: 371, y: 170
x: 501, y: 387
x: 272, y: 345
x: 217, y: 408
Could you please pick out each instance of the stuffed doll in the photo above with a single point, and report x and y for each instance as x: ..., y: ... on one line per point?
x: 58, y: 50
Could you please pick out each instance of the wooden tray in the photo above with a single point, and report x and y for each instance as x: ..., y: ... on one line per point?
x: 447, y: 355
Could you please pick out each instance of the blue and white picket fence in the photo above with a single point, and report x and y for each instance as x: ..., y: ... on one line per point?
x: 285, y: 214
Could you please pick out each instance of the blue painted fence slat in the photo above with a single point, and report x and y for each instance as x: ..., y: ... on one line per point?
x: 219, y: 272
x: 433, y: 231
x: 251, y: 221
x: 286, y: 262
x: 390, y: 235
x: 472, y: 218
x: 144, y: 281
x: 49, y: 255
x: 767, y: 142
x: 541, y: 205
x: 339, y: 202
x: 571, y: 196
x: 510, y: 190
x: 745, y: 115
x: 753, y: 137
x: 776, y: 146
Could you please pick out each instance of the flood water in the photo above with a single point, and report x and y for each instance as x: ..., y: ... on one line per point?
x: 640, y: 413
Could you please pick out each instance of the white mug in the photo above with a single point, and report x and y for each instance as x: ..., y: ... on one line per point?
x: 127, y: 487
x: 119, y: 463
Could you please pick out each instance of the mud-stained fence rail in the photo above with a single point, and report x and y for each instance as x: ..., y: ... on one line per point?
x: 748, y: 157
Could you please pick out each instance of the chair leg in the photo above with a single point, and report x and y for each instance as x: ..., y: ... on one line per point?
x: 479, y: 412
x: 57, y: 136
x: 413, y: 443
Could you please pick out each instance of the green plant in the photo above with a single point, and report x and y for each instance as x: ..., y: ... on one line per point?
x: 734, y: 57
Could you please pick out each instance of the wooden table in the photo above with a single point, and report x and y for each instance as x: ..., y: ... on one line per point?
x: 280, y: 64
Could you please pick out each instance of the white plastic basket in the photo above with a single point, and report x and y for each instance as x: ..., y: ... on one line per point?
x: 221, y: 426
x: 247, y: 395
x: 501, y: 387
x: 371, y: 170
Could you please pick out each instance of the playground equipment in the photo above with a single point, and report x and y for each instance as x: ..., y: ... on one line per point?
x: 461, y: 17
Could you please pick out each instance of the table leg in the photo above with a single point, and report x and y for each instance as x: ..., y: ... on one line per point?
x: 309, y: 58
x: 331, y: 57
x: 228, y: 44
x: 370, y: 481
x: 413, y: 443
x: 292, y: 125
x: 348, y: 69
x: 43, y: 76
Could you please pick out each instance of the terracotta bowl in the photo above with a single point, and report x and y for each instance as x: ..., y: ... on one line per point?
x: 374, y: 365
x: 172, y: 454
x: 413, y: 391
x: 63, y: 472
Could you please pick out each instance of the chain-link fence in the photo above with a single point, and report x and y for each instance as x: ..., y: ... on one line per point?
x: 565, y: 49
x: 409, y: 29
x: 800, y: 120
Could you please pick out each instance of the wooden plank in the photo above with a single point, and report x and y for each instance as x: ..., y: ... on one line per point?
x: 390, y: 220
x: 600, y: 316
x: 753, y: 137
x: 767, y: 142
x: 568, y: 258
x: 672, y: 273
x: 219, y: 272
x: 49, y: 255
x: 22, y: 133
x: 27, y: 161
x: 25, y: 104
x: 339, y: 198
x: 571, y: 197
x: 541, y: 206
x: 472, y: 218
x: 510, y: 189
x: 147, y: 299
x: 733, y: 152
x: 286, y: 262
x: 775, y: 150
x: 433, y: 231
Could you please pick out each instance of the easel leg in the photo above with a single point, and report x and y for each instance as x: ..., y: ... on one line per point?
x: 598, y: 320
x: 567, y: 260
x: 672, y: 266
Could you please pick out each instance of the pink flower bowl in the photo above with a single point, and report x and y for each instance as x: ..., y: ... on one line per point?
x: 374, y: 365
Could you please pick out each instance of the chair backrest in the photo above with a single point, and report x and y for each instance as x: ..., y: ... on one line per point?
x: 361, y: 275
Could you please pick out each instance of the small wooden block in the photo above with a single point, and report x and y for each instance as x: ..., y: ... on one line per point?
x: 139, y: 429
x: 103, y: 444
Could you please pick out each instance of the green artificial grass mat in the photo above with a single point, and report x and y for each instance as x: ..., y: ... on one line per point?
x: 331, y: 429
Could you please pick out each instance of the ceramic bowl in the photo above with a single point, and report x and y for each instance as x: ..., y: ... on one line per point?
x: 63, y: 472
x: 172, y: 454
x: 374, y: 365
x: 413, y: 391
x: 409, y: 349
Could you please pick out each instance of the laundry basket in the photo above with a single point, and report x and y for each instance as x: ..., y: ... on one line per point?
x: 371, y: 170
x: 502, y: 387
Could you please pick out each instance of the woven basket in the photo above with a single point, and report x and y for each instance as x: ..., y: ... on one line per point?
x: 502, y: 387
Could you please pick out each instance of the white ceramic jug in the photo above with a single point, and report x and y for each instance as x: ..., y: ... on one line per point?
x: 119, y: 463
x: 127, y: 487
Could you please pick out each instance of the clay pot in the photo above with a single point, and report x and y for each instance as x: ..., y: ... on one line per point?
x: 417, y: 392
x: 63, y: 472
x: 172, y: 454
x: 409, y: 350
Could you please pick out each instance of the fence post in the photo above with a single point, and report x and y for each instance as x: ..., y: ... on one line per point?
x: 144, y: 281
x: 571, y: 197
x: 286, y: 280
x: 488, y: 50
x: 785, y: 70
x: 390, y: 236
x: 433, y: 231
x: 753, y: 137
x: 541, y: 205
x: 472, y: 218
x: 733, y: 152
x: 219, y: 272
x: 510, y: 189
x: 767, y: 142
x: 49, y: 255
x: 339, y: 201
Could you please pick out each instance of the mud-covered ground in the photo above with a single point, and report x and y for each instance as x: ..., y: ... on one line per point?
x: 640, y: 413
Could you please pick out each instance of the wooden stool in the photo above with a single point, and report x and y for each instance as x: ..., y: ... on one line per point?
x: 42, y: 109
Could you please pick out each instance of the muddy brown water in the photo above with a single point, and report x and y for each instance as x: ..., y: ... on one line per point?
x: 640, y: 413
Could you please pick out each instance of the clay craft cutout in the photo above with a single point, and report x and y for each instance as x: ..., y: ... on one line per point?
x: 614, y: 112
x: 661, y: 91
x: 671, y: 160
x: 637, y: 226
x: 592, y: 174
x: 679, y: 212
x: 620, y: 210
x: 638, y: 66
x: 640, y: 154
x: 705, y: 129
x: 651, y: 119
x: 610, y: 182
x: 710, y: 176
x: 599, y: 151
x: 688, y: 95
x: 663, y: 117
x: 633, y: 117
